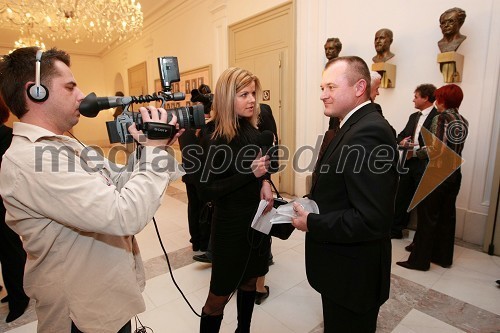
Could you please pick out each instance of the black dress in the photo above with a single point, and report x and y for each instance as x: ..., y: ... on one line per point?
x: 239, y: 252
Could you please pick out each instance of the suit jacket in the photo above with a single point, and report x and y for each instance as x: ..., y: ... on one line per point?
x: 409, y: 129
x: 348, y: 246
x: 334, y: 121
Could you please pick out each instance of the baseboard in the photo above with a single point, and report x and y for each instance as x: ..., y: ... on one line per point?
x: 471, y: 226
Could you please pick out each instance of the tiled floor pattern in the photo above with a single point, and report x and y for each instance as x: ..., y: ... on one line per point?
x: 463, y: 298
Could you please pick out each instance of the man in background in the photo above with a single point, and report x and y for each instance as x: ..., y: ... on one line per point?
x: 411, y: 139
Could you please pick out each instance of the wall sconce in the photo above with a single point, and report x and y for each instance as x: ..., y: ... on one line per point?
x: 451, y: 65
x: 388, y: 73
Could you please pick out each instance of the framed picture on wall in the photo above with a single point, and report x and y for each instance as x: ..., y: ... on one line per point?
x: 193, y: 78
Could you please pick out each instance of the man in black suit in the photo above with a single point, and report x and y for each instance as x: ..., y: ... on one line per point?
x: 348, y: 246
x: 414, y: 167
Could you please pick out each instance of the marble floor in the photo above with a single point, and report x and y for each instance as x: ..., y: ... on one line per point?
x: 463, y: 298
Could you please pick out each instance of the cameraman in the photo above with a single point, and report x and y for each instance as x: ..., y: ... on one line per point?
x: 77, y: 218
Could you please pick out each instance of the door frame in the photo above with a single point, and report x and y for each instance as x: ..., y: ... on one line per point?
x: 285, y: 40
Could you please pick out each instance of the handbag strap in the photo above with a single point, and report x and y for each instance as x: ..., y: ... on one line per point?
x: 274, y: 188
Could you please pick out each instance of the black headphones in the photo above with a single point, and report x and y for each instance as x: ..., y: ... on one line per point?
x: 37, y: 92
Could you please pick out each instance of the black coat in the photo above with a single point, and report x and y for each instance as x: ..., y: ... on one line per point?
x: 348, y: 246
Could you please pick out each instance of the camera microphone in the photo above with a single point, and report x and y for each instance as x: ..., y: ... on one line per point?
x: 91, y: 104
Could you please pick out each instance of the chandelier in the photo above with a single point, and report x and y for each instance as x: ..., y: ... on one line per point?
x: 101, y: 21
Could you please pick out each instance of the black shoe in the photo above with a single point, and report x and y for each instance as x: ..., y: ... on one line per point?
x: 498, y: 282
x: 410, y: 247
x: 16, y: 312
x: 260, y: 297
x: 5, y: 299
x: 406, y: 264
x: 202, y: 258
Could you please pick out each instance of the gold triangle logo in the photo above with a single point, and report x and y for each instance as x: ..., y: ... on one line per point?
x: 443, y: 161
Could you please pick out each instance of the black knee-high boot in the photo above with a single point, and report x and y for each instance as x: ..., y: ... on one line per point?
x: 245, y: 301
x: 210, y: 324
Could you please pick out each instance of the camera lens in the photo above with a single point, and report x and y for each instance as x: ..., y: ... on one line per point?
x: 188, y: 117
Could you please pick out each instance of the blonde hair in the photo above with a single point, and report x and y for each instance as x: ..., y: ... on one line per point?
x: 231, y: 81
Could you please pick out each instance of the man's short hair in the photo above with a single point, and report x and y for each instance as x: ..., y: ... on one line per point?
x: 18, y: 68
x: 358, y: 69
x: 427, y: 90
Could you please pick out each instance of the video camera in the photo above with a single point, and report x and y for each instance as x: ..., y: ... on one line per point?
x: 191, y: 117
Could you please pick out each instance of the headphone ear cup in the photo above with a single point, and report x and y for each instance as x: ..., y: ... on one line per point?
x: 38, y: 93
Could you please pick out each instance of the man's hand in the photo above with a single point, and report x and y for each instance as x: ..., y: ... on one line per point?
x: 407, y: 143
x: 150, y: 114
x: 300, y: 221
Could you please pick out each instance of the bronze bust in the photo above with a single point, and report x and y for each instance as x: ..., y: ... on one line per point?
x: 333, y: 46
x: 383, y: 41
x: 450, y: 22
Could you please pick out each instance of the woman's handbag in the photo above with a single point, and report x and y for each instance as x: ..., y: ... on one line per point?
x: 280, y: 230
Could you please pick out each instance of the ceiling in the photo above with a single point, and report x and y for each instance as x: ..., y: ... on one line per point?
x: 9, y: 35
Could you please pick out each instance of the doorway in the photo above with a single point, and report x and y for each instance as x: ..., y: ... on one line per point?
x: 264, y: 45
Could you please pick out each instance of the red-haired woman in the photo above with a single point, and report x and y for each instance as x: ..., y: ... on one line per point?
x: 12, y: 255
x: 434, y: 240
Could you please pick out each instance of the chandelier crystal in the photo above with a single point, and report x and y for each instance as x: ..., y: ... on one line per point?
x: 101, y: 21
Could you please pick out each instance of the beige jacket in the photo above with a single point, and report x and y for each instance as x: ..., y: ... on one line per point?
x: 77, y: 226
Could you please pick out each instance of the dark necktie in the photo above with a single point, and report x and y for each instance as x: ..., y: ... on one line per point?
x: 415, y: 135
x: 327, y: 139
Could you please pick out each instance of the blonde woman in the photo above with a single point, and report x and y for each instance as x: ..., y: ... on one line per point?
x: 234, y: 179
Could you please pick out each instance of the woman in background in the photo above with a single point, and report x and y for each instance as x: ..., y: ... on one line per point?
x: 235, y: 183
x: 435, y: 238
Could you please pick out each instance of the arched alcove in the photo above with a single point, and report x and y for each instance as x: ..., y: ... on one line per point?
x: 119, y: 86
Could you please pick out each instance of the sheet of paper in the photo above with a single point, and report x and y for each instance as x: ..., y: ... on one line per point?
x: 262, y: 222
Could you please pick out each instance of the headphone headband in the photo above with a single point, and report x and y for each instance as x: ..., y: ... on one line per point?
x: 39, y: 55
x: 37, y: 92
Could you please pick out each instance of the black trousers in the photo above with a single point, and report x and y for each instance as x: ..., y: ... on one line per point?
x: 338, y: 319
x: 13, y: 260
x: 408, y: 183
x: 435, y: 238
x: 125, y: 329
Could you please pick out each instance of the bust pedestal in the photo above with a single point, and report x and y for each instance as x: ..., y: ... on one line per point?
x: 451, y: 65
x: 388, y: 73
